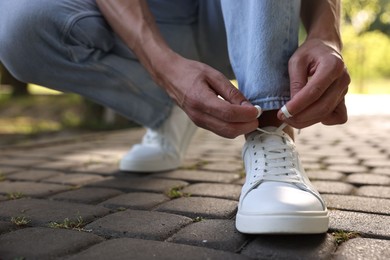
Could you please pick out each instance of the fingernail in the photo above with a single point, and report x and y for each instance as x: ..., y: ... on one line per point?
x: 246, y: 103
x: 259, y: 111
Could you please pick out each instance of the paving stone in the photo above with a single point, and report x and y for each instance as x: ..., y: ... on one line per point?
x: 355, y: 203
x: 333, y: 187
x: 87, y: 195
x: 374, y: 191
x: 62, y: 165
x: 363, y: 248
x: 223, y: 166
x: 129, y: 248
x: 377, y: 163
x: 213, y: 233
x: 347, y: 168
x: 20, y: 161
x: 42, y: 212
x: 325, y: 175
x: 199, y: 176
x: 342, y: 160
x: 5, y: 170
x: 33, y: 175
x: 5, y: 227
x: 139, y: 224
x: 107, y: 169
x: 136, y: 200
x: 381, y: 170
x: 31, y: 188
x: 140, y: 184
x: 291, y: 247
x: 370, y: 225
x: 44, y: 243
x: 200, y: 207
x: 225, y: 191
x: 313, y: 166
x: 368, y: 179
x: 75, y: 179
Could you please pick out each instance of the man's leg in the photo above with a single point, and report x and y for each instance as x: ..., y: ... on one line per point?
x: 68, y: 46
x: 277, y: 197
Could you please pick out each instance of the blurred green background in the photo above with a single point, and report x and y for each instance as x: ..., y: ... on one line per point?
x: 29, y: 112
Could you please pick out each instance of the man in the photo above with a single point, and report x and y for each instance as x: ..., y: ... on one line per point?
x: 95, y: 48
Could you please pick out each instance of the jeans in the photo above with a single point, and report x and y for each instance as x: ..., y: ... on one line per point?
x: 68, y: 46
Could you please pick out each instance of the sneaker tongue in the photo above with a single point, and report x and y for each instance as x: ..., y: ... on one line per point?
x: 271, y: 139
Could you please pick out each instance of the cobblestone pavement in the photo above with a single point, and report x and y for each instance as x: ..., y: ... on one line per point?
x: 67, y: 200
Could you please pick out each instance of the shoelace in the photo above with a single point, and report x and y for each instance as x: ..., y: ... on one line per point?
x: 279, y: 165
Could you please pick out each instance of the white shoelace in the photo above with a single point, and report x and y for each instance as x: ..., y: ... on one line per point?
x: 279, y: 162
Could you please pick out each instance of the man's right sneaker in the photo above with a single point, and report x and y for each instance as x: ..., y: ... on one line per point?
x: 277, y: 197
x: 161, y: 149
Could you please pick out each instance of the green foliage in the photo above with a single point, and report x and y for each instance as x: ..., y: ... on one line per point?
x: 20, y: 221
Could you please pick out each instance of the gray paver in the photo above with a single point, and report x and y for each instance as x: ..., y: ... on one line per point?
x: 42, y: 212
x: 139, y: 224
x: 363, y: 248
x: 75, y: 179
x: 44, y: 243
x: 200, y: 207
x: 225, y: 191
x: 355, y: 203
x: 291, y: 247
x: 199, y: 176
x: 31, y: 188
x: 5, y: 226
x: 381, y: 170
x: 223, y: 166
x: 347, y: 168
x: 374, y: 191
x: 87, y: 195
x: 368, y: 179
x: 128, y: 248
x: 33, y: 175
x: 325, y: 175
x: 136, y: 200
x: 213, y: 233
x: 371, y: 225
x: 140, y: 184
x: 333, y: 187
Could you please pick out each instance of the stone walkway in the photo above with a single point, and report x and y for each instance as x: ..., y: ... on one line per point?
x: 67, y: 200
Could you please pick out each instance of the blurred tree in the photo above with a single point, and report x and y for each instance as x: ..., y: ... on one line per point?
x: 368, y: 15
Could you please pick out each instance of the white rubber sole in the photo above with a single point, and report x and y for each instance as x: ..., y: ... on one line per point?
x: 294, y: 223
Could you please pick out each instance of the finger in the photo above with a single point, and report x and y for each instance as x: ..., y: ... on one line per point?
x: 221, y: 85
x: 223, y: 128
x: 219, y: 108
x: 326, y: 104
x: 326, y: 73
x: 297, y: 70
x: 339, y: 115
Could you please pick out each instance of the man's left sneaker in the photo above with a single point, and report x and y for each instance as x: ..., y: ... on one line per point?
x: 161, y: 149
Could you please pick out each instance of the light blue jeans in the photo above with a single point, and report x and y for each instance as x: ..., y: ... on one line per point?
x: 68, y: 46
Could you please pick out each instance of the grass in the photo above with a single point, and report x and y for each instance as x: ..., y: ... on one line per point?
x: 343, y: 236
x: 20, y: 221
x: 176, y: 192
x: 15, y: 195
x: 77, y: 224
x: 2, y: 177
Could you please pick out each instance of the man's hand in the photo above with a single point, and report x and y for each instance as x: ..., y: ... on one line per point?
x: 318, y: 77
x: 197, y: 89
x: 194, y: 86
x: 318, y: 82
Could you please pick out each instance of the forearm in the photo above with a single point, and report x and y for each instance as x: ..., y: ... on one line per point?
x: 321, y: 19
x: 134, y: 23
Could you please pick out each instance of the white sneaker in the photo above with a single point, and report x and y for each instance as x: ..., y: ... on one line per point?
x: 277, y: 197
x: 161, y: 149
